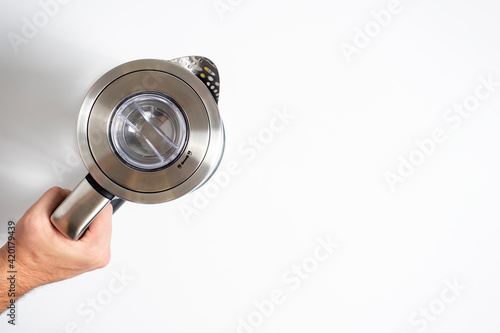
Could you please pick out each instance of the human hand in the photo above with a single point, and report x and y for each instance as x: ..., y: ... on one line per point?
x: 43, y: 255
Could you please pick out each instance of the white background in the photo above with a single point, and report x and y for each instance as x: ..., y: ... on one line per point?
x: 322, y: 176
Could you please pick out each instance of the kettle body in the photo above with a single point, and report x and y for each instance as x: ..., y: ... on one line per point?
x: 149, y: 131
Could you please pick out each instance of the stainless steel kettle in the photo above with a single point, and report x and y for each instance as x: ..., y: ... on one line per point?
x: 149, y: 131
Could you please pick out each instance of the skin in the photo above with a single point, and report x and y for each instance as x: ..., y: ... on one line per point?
x: 43, y: 255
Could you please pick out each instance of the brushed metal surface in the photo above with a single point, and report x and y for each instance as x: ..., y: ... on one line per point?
x: 73, y: 216
x: 148, y: 181
x: 156, y: 76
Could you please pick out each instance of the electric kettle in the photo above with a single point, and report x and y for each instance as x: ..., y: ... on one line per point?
x: 149, y: 131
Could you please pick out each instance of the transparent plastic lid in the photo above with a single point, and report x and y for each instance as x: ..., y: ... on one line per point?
x: 148, y: 131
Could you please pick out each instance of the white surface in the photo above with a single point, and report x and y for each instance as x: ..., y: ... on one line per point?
x: 321, y: 176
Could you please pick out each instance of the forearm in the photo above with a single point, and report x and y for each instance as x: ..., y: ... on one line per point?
x: 4, y: 284
x: 37, y: 254
x: 14, y: 283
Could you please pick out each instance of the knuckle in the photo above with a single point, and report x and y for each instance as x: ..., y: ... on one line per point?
x: 103, y: 260
x: 98, y: 258
x: 56, y: 191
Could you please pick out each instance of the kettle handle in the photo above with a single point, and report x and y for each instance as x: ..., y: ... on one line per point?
x: 74, y: 215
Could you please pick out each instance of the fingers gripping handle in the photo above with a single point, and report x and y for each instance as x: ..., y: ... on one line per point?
x: 80, y: 208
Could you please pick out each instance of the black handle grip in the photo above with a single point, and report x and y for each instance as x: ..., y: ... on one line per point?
x: 117, y: 203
